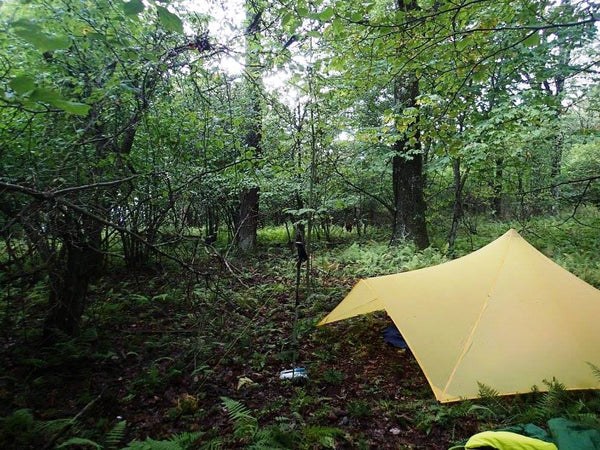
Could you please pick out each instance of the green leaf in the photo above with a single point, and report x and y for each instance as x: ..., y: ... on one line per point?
x: 326, y: 14
x: 43, y: 41
x: 45, y: 95
x: 338, y: 25
x: 480, y: 74
x: 94, y: 36
x: 80, y: 109
x: 287, y: 19
x: 54, y: 98
x: 169, y: 21
x: 302, y: 11
x: 22, y: 84
x: 532, y: 40
x: 425, y: 4
x: 356, y: 17
x: 133, y: 8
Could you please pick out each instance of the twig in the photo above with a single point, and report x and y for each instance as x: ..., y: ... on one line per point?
x: 579, y: 201
x: 71, y: 422
x: 562, y: 183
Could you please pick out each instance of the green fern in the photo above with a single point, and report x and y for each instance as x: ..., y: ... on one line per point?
x: 490, y: 396
x: 17, y: 429
x: 491, y: 399
x: 482, y: 411
x: 487, y: 393
x: 323, y: 437
x: 187, y: 440
x: 19, y: 421
x: 116, y: 435
x: 551, y: 402
x: 213, y: 444
x: 245, y: 425
x: 78, y: 442
x: 51, y: 427
x: 588, y: 419
x: 264, y: 439
x: 595, y: 370
x: 183, y: 441
x: 151, y: 444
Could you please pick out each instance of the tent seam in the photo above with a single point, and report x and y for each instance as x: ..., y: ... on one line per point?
x: 476, y: 324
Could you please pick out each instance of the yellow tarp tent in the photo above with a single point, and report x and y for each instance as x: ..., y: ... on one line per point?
x: 505, y: 316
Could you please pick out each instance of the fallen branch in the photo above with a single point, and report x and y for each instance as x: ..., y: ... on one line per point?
x: 71, y: 422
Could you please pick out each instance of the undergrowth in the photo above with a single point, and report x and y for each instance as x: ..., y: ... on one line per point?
x: 185, y: 362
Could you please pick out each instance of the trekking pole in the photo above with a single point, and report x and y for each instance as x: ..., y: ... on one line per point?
x: 296, y: 373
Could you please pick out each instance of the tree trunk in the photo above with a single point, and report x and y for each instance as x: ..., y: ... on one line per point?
x: 80, y: 261
x: 555, y: 169
x: 408, y: 180
x: 556, y: 95
x: 498, y: 202
x: 247, y: 226
x: 457, y: 208
x: 248, y: 219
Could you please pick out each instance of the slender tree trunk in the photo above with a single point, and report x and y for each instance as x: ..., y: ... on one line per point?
x: 498, y: 200
x: 247, y: 226
x: 558, y: 82
x: 457, y: 208
x: 555, y: 169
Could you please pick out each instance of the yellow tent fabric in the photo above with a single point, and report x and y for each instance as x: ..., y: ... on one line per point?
x: 505, y: 316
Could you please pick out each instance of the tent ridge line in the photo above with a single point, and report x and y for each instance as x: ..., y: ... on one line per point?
x: 375, y: 296
x: 469, y: 340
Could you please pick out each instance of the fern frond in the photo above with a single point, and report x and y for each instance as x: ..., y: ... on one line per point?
x: 324, y: 437
x: 595, y: 370
x: 264, y: 440
x: 116, y: 435
x: 236, y: 410
x: 213, y: 444
x: 489, y: 395
x: 88, y: 335
x: 550, y: 403
x: 486, y: 412
x: 151, y: 444
x: 244, y: 424
x: 79, y: 442
x: 586, y: 419
x: 21, y: 419
x: 487, y: 392
x: 187, y: 440
x: 491, y: 398
x: 51, y: 426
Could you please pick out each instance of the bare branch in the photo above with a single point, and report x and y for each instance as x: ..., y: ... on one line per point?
x: 101, y: 184
x: 562, y: 183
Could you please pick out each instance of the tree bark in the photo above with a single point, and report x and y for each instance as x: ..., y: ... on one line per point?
x: 248, y: 219
x: 247, y: 226
x: 408, y: 179
x: 498, y: 202
x: 457, y: 208
x: 79, y: 262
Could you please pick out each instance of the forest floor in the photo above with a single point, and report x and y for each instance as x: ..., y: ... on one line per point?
x: 164, y: 352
